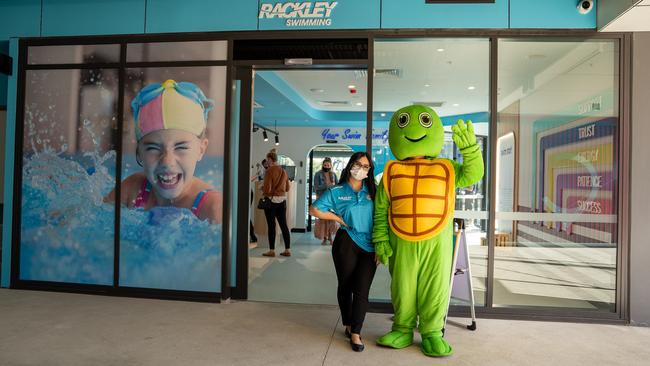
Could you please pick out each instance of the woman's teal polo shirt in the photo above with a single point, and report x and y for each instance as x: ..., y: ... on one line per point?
x: 355, y: 208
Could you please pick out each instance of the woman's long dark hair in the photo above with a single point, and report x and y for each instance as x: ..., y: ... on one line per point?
x: 369, y: 181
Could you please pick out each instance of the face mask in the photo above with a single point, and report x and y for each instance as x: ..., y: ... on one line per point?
x: 359, y: 173
x: 326, y: 169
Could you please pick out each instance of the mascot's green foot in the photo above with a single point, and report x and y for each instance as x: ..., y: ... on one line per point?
x: 436, y: 346
x: 396, y: 339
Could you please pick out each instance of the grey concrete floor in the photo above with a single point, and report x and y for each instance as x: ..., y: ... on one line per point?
x: 48, y: 328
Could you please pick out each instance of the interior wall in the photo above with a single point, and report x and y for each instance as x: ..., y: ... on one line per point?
x: 640, y: 171
x: 295, y: 142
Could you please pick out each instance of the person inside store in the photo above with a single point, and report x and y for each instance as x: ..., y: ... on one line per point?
x: 323, y: 179
x: 275, y: 188
x: 350, y: 203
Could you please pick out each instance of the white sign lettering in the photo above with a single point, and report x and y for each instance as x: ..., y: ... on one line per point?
x: 590, y: 181
x: 299, y: 14
x: 586, y: 131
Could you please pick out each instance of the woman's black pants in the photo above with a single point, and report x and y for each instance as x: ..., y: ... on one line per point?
x: 277, y: 211
x: 355, y: 269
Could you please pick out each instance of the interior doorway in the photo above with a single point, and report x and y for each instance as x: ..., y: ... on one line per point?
x: 303, y: 116
x: 339, y: 155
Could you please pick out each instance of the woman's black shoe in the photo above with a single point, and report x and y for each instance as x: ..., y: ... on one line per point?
x: 347, y: 333
x: 357, y: 347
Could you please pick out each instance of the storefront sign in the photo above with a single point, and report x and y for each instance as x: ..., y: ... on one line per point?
x: 338, y: 14
x: 308, y: 13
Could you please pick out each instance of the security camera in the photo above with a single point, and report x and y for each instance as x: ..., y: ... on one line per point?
x: 585, y: 6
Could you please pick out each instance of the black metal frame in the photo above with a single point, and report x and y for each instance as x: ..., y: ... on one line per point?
x: 239, y: 291
x: 115, y: 289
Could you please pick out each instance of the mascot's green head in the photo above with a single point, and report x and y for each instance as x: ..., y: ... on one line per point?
x: 415, y: 130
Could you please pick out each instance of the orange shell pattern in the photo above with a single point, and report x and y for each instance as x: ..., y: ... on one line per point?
x: 421, y: 193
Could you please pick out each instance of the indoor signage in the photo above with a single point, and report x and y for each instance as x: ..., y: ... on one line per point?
x: 300, y: 14
x: 350, y: 135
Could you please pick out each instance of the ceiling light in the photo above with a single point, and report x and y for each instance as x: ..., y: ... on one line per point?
x: 317, y: 90
x: 277, y: 140
x: 359, y: 103
x: 441, y: 49
x: 471, y: 87
x: 427, y: 85
x: 382, y: 114
x: 351, y: 86
x: 266, y: 137
x: 455, y: 104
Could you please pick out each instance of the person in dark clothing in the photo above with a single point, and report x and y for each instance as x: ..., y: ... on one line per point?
x: 350, y: 203
x: 276, y: 186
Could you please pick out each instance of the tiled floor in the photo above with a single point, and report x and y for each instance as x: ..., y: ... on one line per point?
x: 48, y: 328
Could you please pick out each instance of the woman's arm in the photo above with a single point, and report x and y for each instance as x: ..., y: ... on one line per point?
x: 319, y: 185
x: 268, y: 183
x: 326, y: 215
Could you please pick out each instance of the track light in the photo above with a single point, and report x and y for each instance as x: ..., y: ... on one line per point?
x: 277, y: 140
x: 266, y: 137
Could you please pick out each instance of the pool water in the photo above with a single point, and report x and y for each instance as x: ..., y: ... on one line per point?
x: 68, y: 232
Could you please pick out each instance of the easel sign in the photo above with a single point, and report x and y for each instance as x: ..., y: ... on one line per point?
x: 461, y: 279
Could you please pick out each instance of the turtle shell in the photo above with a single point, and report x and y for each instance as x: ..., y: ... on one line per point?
x: 421, y: 193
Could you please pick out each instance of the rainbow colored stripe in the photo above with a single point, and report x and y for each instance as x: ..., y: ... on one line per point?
x: 170, y: 105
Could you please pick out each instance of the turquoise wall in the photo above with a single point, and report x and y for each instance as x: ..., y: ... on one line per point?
x: 34, y: 18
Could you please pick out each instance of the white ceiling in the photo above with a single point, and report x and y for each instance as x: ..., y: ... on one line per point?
x: 429, y: 75
x: 320, y: 86
x: 635, y: 19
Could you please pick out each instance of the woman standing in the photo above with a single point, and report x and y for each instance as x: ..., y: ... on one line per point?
x: 350, y: 203
x: 324, y: 179
x: 276, y: 186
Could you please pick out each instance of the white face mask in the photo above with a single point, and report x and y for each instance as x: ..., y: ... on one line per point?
x: 359, y: 173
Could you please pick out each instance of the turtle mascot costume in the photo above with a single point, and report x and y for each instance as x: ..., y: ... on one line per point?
x: 413, y: 224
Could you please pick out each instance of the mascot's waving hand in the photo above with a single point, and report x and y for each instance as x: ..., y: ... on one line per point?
x: 413, y: 224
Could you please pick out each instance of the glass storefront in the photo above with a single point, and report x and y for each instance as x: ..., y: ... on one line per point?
x: 557, y: 174
x: 450, y: 75
x: 551, y: 191
x: 73, y: 151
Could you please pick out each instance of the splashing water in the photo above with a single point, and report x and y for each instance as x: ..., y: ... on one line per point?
x: 68, y: 232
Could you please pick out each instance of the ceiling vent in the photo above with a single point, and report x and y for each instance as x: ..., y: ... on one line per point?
x: 333, y: 103
x: 430, y: 104
x: 379, y: 73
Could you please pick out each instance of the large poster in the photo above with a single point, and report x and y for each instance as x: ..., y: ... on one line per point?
x: 172, y: 171
x: 171, y: 184
x: 577, y: 175
x: 67, y: 231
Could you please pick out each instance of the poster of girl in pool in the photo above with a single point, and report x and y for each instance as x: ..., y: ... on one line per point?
x: 170, y: 191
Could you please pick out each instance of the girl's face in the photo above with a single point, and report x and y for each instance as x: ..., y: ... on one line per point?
x: 169, y: 158
x: 327, y: 165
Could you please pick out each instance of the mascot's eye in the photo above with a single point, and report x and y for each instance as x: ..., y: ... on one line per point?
x: 403, y: 120
x: 425, y: 119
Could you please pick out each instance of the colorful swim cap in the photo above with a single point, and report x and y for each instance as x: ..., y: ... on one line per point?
x: 170, y: 105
